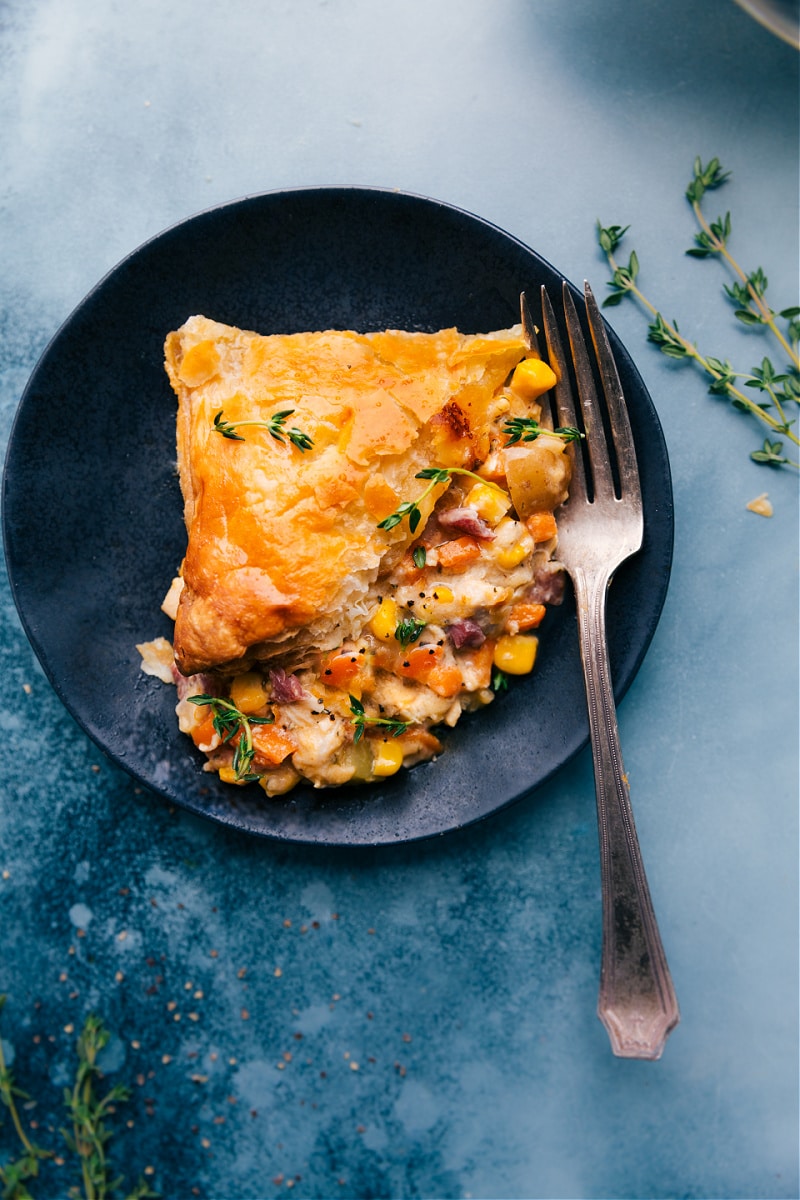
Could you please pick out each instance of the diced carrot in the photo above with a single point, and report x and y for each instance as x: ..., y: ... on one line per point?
x: 418, y: 662
x: 445, y: 680
x: 340, y: 669
x: 525, y: 616
x: 271, y: 744
x: 459, y: 553
x: 479, y: 660
x: 407, y: 569
x: 542, y: 526
x: 203, y: 732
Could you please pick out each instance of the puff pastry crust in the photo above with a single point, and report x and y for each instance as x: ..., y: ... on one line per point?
x: 284, y: 548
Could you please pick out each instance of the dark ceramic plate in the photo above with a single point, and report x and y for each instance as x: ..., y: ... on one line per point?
x: 93, y: 517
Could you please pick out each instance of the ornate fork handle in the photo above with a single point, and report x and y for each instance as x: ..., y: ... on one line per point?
x: 636, y: 1002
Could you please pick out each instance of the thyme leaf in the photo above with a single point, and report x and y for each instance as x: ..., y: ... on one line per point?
x: 275, y: 425
x: 436, y: 475
x: 770, y: 454
x: 408, y: 630
x: 228, y: 721
x: 527, y: 429
x: 361, y: 720
x: 499, y: 680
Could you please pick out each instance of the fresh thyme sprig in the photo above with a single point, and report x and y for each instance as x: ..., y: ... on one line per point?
x: 15, y: 1173
x: 408, y: 630
x: 275, y: 425
x: 748, y: 291
x: 527, y: 429
x: 90, y: 1134
x: 779, y: 390
x: 361, y: 720
x: 228, y: 721
x: 436, y: 475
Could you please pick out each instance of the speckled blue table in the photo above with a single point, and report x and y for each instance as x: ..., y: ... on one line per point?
x: 420, y: 1020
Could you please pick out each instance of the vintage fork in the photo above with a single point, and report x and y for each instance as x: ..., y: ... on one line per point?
x: 598, y: 528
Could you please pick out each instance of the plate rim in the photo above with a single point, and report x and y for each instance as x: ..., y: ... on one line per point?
x: 229, y: 818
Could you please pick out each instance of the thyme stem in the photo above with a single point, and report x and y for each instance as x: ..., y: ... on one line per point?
x: 720, y: 246
x: 749, y: 294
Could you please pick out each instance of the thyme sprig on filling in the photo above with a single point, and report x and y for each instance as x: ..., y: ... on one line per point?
x: 228, y: 721
x: 528, y: 429
x: 436, y: 475
x: 361, y: 720
x: 779, y: 389
x: 275, y: 426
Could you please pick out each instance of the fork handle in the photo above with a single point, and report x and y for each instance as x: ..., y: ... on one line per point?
x: 637, y: 1002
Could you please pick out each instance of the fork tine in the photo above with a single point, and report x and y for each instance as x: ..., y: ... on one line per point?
x: 602, y: 478
x: 529, y: 331
x: 620, y: 422
x: 565, y: 404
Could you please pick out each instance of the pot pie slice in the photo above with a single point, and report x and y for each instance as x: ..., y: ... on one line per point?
x: 370, y: 533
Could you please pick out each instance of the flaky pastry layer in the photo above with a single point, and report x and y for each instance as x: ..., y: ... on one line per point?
x: 284, y: 545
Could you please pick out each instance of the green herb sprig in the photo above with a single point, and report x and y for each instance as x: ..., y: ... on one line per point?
x: 15, y: 1173
x: 275, y: 426
x: 527, y: 429
x: 779, y: 389
x: 89, y: 1135
x: 408, y: 630
x: 436, y: 475
x: 228, y: 720
x: 361, y: 720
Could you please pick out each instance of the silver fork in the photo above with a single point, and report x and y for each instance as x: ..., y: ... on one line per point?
x: 596, y: 533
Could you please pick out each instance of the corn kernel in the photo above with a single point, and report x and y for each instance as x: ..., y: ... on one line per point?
x: 384, y: 622
x: 532, y: 378
x: 489, y: 503
x: 511, y: 556
x: 443, y: 594
x: 387, y: 758
x: 248, y: 692
x: 515, y: 653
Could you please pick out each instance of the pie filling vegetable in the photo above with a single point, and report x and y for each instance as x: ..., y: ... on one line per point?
x: 370, y: 543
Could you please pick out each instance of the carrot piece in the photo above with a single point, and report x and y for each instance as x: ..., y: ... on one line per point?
x: 419, y: 662
x: 479, y: 659
x: 444, y: 680
x: 459, y: 553
x: 203, y: 732
x: 525, y: 616
x: 542, y: 526
x: 340, y: 669
x: 271, y: 744
x: 407, y: 568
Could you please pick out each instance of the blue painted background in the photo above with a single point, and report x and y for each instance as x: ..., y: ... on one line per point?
x: 419, y: 1021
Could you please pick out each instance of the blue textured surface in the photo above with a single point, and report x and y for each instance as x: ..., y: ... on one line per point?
x: 420, y: 1021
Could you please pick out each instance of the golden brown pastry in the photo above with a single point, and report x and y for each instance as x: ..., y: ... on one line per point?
x: 284, y: 545
x: 370, y: 532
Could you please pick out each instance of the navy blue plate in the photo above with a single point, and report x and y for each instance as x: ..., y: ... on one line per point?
x: 92, y: 455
